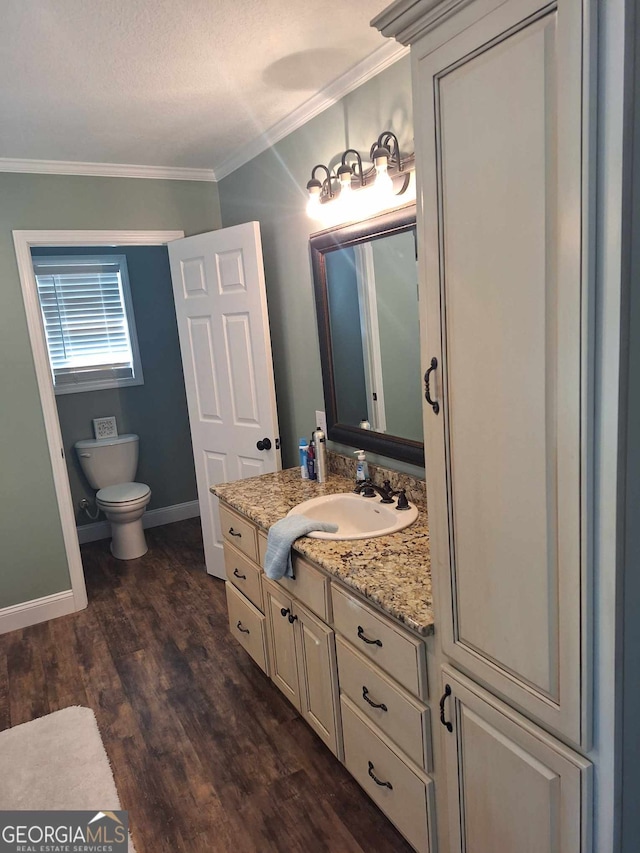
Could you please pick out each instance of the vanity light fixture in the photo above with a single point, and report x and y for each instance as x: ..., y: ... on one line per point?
x: 338, y: 196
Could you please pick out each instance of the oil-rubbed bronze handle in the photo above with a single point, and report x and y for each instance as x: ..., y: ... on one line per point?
x: 240, y: 628
x: 237, y: 574
x: 364, y: 639
x: 365, y: 696
x: 378, y: 781
x: 292, y: 618
x: 435, y: 405
x: 233, y: 533
x: 447, y: 692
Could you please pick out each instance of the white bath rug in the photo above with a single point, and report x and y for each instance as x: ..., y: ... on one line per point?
x: 57, y: 762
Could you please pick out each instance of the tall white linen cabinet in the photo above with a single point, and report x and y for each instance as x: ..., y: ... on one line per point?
x: 520, y: 160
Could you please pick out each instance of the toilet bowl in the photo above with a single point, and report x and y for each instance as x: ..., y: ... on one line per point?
x: 110, y: 465
x: 124, y: 505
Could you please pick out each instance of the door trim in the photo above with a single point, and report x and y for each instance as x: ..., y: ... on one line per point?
x: 23, y: 241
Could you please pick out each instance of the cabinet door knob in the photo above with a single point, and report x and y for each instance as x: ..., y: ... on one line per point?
x: 447, y: 692
x: 435, y: 405
x: 284, y: 611
x: 292, y: 618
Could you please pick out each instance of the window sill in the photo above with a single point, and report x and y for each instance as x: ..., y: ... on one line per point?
x: 99, y: 385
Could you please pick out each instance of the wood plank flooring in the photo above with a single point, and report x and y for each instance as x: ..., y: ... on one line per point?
x: 207, y: 755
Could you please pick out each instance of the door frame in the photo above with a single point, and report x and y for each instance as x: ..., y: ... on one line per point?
x: 23, y: 242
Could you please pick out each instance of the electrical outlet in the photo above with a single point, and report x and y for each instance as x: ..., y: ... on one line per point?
x: 321, y: 421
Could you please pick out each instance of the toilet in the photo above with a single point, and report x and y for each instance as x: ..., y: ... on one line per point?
x: 110, y: 465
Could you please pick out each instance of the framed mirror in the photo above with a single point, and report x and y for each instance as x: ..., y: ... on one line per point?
x: 366, y: 289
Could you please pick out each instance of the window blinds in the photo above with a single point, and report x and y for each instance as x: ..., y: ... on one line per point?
x: 85, y: 320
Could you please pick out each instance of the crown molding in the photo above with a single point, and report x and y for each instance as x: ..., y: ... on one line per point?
x: 384, y: 56
x: 409, y: 20
x: 105, y: 170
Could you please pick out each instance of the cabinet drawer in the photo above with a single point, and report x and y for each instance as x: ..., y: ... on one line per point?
x: 262, y: 547
x: 240, y: 532
x: 247, y: 625
x: 404, y: 719
x: 310, y: 587
x: 243, y: 574
x: 406, y: 798
x: 393, y: 649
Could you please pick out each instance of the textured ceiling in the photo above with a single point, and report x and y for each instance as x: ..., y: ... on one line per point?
x: 166, y: 82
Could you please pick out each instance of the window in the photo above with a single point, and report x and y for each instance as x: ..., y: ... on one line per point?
x: 88, y: 322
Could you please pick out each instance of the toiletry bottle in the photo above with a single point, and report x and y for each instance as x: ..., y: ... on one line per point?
x: 362, y: 469
x: 311, y: 461
x: 303, y: 448
x: 321, y: 454
x: 364, y: 424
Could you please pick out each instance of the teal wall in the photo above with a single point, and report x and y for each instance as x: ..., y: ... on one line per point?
x: 156, y: 410
x: 33, y: 558
x: 271, y: 189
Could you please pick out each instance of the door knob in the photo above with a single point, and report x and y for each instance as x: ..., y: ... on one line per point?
x: 265, y: 444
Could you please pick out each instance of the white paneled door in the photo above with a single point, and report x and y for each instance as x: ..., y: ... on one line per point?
x: 221, y: 308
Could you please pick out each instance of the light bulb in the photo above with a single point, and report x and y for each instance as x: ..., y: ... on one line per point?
x: 314, y: 207
x: 383, y: 183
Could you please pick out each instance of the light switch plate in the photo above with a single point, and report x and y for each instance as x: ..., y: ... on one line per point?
x: 321, y: 421
x: 105, y: 427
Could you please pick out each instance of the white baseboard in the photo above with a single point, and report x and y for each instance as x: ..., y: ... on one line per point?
x: 37, y: 610
x: 151, y: 518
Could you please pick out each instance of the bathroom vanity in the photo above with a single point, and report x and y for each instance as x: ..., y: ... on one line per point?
x: 346, y: 641
x: 350, y: 643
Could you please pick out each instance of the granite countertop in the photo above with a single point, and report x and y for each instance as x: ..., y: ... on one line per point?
x: 392, y: 571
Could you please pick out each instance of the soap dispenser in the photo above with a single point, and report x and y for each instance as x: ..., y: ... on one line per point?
x: 362, y: 469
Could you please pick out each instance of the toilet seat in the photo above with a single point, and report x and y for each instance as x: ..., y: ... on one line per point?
x: 122, y: 494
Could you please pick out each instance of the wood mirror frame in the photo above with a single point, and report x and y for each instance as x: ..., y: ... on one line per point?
x: 392, y: 446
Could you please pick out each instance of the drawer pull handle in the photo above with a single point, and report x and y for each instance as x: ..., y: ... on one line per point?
x: 365, y: 696
x: 233, y: 533
x: 237, y: 574
x: 364, y: 639
x: 284, y: 611
x: 240, y: 628
x: 379, y: 781
x: 447, y: 692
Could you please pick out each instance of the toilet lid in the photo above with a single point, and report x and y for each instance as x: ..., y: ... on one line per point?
x: 123, y: 493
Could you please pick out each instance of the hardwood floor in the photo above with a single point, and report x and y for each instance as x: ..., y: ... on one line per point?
x: 207, y: 755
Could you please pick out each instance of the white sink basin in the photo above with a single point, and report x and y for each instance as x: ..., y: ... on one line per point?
x: 357, y: 517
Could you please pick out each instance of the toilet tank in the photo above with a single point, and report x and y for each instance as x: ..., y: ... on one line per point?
x: 108, y: 461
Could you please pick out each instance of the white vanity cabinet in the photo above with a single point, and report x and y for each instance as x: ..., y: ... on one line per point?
x: 501, y: 115
x: 499, y: 119
x: 357, y: 677
x: 512, y: 787
x: 382, y: 674
x: 282, y: 641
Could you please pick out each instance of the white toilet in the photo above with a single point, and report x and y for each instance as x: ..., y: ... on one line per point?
x: 110, y: 465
